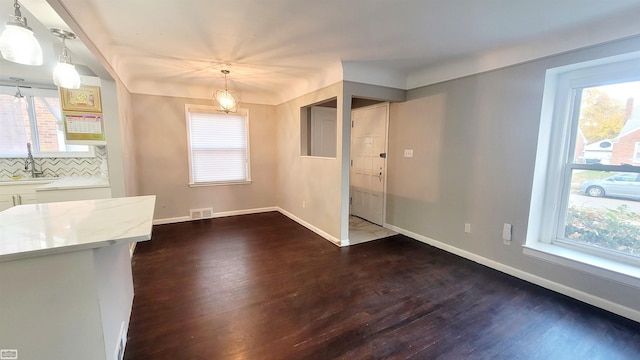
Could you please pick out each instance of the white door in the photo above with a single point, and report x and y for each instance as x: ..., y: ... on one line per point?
x: 323, y: 131
x: 368, y: 162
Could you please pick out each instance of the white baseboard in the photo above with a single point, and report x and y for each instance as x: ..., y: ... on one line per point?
x: 171, y: 220
x: 132, y: 249
x: 245, y: 212
x: 523, y: 275
x: 313, y: 228
x: 215, y: 215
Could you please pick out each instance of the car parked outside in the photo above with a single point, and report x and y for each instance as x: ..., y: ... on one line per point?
x: 624, y: 185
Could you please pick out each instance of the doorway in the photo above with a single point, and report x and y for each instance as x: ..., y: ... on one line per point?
x: 367, y: 184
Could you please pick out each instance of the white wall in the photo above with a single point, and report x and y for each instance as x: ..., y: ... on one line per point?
x: 314, y: 180
x: 112, y: 129
x: 162, y: 160
x: 129, y: 158
x: 474, y: 142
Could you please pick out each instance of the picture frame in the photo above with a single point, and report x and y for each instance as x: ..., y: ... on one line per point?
x: 85, y: 99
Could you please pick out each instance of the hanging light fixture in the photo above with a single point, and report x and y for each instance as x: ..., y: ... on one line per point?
x: 17, y: 43
x: 18, y: 96
x: 226, y: 101
x: 65, y: 74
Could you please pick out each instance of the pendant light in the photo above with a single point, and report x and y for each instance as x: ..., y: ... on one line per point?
x: 18, y: 96
x: 65, y: 74
x: 226, y: 101
x: 17, y: 43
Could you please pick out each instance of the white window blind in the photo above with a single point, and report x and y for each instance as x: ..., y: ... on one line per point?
x: 218, y: 144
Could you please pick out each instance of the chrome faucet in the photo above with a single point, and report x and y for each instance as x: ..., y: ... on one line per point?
x: 30, y: 161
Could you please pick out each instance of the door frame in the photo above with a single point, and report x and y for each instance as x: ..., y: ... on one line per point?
x: 386, y: 105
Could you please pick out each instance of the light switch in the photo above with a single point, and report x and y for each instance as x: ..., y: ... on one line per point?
x: 408, y: 152
x: 506, y: 233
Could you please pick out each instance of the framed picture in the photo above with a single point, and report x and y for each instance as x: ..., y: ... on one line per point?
x: 85, y: 99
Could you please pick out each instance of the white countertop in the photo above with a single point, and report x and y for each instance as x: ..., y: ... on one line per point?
x: 27, y: 180
x: 45, y: 229
x: 75, y: 182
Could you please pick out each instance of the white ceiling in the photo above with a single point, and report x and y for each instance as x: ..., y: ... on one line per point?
x: 278, y: 49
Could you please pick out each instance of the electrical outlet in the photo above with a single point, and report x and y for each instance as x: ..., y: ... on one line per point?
x: 408, y: 153
x: 467, y: 228
x: 9, y: 354
x: 304, y: 204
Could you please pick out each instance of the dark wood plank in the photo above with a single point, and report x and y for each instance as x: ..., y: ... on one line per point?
x: 263, y: 287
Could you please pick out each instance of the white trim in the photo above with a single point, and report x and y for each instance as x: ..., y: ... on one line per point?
x: 387, y: 107
x: 587, y: 263
x: 173, y: 220
x: 556, y: 143
x: 221, y: 183
x: 313, y: 228
x: 180, y: 219
x: 244, y: 212
x: 208, y: 109
x: 523, y: 275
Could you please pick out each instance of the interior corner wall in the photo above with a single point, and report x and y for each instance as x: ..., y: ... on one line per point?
x: 128, y: 140
x: 114, y: 136
x: 162, y: 159
x: 312, y: 180
x: 474, y: 142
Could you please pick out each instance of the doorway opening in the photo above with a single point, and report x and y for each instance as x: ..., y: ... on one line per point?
x: 368, y: 168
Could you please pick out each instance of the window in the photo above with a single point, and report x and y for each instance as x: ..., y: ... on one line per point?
x: 218, y: 146
x: 636, y: 153
x: 35, y: 119
x: 586, y: 193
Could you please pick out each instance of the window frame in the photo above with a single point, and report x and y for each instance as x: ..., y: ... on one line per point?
x: 29, y: 96
x: 555, y: 164
x: 212, y: 110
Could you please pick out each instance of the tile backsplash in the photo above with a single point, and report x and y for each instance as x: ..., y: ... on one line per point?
x: 52, y: 167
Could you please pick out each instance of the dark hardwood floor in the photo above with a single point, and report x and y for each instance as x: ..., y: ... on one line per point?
x: 263, y: 287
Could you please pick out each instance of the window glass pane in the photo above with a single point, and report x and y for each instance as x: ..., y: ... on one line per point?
x: 50, y: 126
x: 604, y: 210
x: 35, y: 119
x: 609, y: 125
x: 15, y: 131
x: 47, y: 111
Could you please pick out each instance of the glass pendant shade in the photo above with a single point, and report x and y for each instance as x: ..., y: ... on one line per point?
x: 226, y: 101
x: 18, y: 45
x: 66, y: 76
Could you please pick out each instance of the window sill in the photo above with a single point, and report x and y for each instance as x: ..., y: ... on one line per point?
x: 318, y: 157
x: 247, y: 182
x: 605, y: 268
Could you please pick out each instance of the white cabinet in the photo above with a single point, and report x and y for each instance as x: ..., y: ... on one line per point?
x: 6, y: 201
x: 17, y: 194
x: 49, y: 196
x: 74, y: 188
